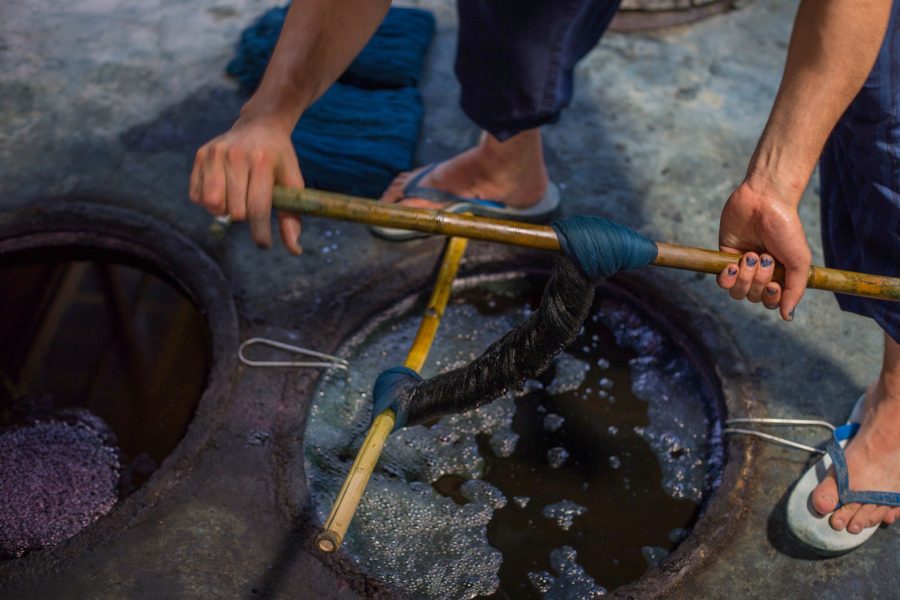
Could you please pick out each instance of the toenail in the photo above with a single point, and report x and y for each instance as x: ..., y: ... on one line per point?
x: 751, y: 262
x: 854, y: 528
x: 766, y: 261
x: 771, y: 291
x: 839, y: 524
x: 732, y: 271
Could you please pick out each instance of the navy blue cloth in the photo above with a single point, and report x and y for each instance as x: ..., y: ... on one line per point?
x: 391, y: 385
x: 363, y: 131
x: 860, y: 183
x: 356, y: 141
x: 602, y: 248
x: 515, y: 58
x: 393, y: 57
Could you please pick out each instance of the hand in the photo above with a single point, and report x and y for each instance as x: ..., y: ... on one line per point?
x: 761, y: 223
x: 234, y: 174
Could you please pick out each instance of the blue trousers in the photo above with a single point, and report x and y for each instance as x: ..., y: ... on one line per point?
x: 860, y: 183
x: 515, y: 58
x: 515, y: 61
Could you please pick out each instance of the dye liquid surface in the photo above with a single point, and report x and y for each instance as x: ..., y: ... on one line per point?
x: 572, y: 486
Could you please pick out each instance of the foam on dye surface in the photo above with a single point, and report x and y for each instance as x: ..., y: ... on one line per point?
x: 431, y: 546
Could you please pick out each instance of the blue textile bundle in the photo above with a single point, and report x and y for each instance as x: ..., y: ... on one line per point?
x: 393, y: 57
x: 356, y: 141
x: 593, y: 248
x: 363, y: 132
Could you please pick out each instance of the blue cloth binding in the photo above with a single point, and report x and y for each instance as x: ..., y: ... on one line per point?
x: 839, y: 462
x: 602, y: 248
x: 389, y: 387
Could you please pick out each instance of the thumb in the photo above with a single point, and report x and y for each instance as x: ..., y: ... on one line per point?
x: 796, y: 274
x: 289, y: 225
x: 288, y: 174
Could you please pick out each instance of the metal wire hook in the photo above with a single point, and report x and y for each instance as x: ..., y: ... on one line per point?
x: 332, y: 361
x: 774, y: 438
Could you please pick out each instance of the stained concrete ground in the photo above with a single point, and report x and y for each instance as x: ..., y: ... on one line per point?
x: 107, y: 100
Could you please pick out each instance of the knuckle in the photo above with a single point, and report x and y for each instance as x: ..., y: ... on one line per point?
x: 258, y: 158
x: 214, y: 198
x: 234, y: 154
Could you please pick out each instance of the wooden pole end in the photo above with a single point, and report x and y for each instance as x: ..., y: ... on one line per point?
x: 328, y: 541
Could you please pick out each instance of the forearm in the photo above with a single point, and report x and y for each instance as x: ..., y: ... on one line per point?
x: 320, y: 38
x: 833, y: 48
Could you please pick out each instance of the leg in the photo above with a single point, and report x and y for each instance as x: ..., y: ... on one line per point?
x: 860, y: 188
x: 514, y: 61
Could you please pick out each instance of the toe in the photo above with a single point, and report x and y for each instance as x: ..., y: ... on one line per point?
x: 867, y: 516
x: 394, y: 192
x: 422, y: 203
x: 825, y: 496
x: 842, y: 516
x: 892, y: 516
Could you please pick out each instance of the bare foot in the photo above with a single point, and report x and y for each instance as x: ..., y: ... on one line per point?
x: 511, y: 172
x: 873, y: 455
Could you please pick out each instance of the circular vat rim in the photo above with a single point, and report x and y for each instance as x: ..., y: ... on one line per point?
x: 98, y: 226
x: 700, y: 335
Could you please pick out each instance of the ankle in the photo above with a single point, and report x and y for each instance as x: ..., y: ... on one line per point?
x: 520, y: 152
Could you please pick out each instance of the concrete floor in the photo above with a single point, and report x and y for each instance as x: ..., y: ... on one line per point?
x: 108, y: 100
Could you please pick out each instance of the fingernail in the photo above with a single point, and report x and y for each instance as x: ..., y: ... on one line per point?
x: 765, y: 262
x: 771, y: 291
x: 751, y: 262
x: 732, y: 271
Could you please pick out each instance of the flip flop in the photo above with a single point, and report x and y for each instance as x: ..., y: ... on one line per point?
x: 809, y: 526
x: 804, y: 522
x: 542, y: 211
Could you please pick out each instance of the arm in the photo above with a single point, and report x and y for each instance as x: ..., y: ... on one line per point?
x: 234, y: 173
x: 833, y: 47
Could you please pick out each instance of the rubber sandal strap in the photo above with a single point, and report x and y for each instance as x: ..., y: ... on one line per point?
x: 839, y: 463
x: 414, y: 190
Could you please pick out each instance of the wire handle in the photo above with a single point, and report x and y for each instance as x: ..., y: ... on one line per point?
x: 332, y: 361
x: 774, y: 438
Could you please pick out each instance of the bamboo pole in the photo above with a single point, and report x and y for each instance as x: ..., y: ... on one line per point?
x: 344, y: 507
x: 543, y: 237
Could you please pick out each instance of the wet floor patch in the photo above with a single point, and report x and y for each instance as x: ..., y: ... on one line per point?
x: 572, y: 486
x: 109, y: 360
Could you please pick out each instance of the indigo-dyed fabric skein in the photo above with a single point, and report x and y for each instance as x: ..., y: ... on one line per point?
x: 393, y: 58
x: 361, y: 133
x: 592, y: 249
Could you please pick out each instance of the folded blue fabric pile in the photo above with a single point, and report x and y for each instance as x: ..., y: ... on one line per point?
x: 364, y: 130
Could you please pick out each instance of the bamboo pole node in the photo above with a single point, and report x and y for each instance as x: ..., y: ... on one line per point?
x: 335, y: 528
